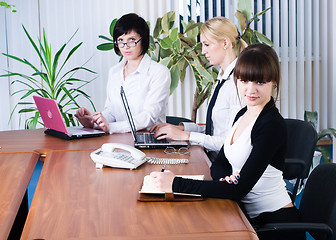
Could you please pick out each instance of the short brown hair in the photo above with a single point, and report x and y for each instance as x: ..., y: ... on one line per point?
x: 130, y: 22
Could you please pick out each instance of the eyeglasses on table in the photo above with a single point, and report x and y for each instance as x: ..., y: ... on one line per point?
x: 182, y: 150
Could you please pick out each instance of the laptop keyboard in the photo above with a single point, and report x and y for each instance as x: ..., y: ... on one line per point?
x: 149, y: 138
x: 74, y: 131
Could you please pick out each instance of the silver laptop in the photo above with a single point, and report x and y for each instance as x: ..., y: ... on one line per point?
x: 146, y: 139
x: 54, y: 122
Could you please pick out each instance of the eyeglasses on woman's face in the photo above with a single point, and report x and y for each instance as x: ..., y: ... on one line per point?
x: 182, y: 150
x: 131, y: 43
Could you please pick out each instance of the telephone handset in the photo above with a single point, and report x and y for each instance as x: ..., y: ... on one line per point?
x: 118, y: 155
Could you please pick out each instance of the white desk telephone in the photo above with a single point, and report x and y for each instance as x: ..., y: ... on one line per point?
x: 118, y: 155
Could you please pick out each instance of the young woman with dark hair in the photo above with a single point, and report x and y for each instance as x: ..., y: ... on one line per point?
x: 146, y: 83
x: 248, y: 168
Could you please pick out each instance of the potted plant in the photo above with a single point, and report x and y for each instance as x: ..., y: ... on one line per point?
x: 48, y: 80
x: 312, y: 117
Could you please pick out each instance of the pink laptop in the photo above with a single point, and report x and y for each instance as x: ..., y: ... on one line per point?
x: 54, y: 122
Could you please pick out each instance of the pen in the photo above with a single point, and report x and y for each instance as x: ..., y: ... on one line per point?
x: 163, y: 168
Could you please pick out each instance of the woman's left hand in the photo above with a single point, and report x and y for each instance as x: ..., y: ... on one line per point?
x: 163, y: 180
x: 101, y: 121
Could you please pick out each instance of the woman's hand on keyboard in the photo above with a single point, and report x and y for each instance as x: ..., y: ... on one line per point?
x: 84, y: 117
x: 101, y: 121
x: 165, y: 130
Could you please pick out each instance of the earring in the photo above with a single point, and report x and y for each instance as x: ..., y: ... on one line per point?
x: 274, y: 86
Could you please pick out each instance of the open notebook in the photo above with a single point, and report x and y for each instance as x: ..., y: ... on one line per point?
x: 145, y: 139
x: 149, y: 192
x: 55, y: 125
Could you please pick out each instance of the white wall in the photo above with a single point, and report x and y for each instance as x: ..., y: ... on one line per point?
x: 4, y: 82
x: 61, y: 18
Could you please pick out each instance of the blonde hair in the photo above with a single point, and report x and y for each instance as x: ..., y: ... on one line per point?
x: 219, y: 28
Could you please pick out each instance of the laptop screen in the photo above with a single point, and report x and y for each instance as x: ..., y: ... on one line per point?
x: 50, y: 114
x: 128, y: 112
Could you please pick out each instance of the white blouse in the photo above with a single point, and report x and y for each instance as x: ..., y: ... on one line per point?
x: 269, y: 193
x: 224, y: 111
x: 147, y: 92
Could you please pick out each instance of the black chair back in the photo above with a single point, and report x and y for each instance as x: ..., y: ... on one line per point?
x: 317, y: 208
x: 301, y: 143
x: 318, y: 203
x: 176, y: 120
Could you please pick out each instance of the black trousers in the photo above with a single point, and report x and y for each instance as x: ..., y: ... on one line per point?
x: 282, y: 215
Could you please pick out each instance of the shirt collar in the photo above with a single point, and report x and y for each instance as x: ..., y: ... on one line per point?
x: 225, y: 74
x: 143, y: 66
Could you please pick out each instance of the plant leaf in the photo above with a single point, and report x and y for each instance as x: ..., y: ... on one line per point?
x: 112, y: 25
x: 325, y: 153
x: 167, y: 21
x: 241, y: 19
x: 263, y: 38
x: 158, y: 28
x: 311, y: 117
x: 175, y: 77
x: 328, y: 132
x: 173, y: 34
x: 166, y: 43
x: 35, y: 47
x: 105, y: 46
x: 177, y: 46
x: 165, y: 61
x: 34, y: 120
x: 192, y: 25
x: 105, y: 38
x: 245, y: 7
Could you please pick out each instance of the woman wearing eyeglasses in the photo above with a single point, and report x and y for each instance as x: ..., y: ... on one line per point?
x: 220, y: 39
x: 145, y: 82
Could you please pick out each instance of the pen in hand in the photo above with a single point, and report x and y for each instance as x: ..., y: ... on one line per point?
x: 163, y: 168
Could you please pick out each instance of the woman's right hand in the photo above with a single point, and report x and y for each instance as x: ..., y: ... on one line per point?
x: 84, y: 117
x: 169, y: 131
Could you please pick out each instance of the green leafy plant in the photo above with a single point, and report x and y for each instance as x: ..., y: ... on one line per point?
x: 245, y: 16
x: 177, y: 51
x: 49, y: 80
x: 180, y: 50
x: 312, y: 118
x: 8, y: 6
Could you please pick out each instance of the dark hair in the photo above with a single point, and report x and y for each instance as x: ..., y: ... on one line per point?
x: 130, y: 22
x: 258, y: 62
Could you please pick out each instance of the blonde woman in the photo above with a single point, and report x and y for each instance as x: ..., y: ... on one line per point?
x: 219, y: 38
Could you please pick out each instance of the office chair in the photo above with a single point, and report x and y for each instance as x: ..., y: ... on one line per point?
x: 301, y: 143
x: 317, y: 208
x: 176, y: 120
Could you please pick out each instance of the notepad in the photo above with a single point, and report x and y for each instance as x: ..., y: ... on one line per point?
x: 149, y: 191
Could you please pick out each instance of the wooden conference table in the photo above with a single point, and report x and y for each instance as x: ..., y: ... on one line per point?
x: 16, y: 170
x: 74, y: 200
